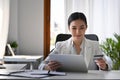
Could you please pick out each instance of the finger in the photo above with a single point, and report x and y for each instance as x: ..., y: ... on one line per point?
x: 57, y: 65
x: 100, y: 61
x: 54, y: 63
x: 101, y: 65
x: 54, y: 66
x: 50, y: 66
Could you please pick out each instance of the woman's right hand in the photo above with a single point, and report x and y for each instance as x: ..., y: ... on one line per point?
x: 52, y: 65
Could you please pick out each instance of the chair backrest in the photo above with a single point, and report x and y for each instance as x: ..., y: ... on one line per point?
x: 63, y: 37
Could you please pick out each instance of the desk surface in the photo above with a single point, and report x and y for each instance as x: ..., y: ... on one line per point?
x: 92, y: 74
x: 14, y: 66
x: 10, y: 68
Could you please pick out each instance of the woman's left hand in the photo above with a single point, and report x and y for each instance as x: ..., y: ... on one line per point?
x: 101, y: 64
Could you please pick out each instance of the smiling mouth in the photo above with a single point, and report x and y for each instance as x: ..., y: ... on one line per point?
x: 78, y: 36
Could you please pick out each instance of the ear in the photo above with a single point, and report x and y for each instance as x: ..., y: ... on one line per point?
x: 86, y: 28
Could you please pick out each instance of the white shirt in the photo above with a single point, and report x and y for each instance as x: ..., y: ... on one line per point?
x: 89, y: 48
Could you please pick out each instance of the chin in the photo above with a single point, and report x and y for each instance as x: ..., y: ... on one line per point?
x: 79, y: 38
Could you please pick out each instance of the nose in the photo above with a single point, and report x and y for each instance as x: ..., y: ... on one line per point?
x: 78, y: 31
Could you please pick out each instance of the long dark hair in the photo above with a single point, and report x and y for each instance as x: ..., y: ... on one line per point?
x: 76, y: 16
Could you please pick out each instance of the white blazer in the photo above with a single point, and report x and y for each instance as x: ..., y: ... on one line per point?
x: 91, y: 48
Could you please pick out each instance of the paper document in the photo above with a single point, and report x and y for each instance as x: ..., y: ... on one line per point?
x: 70, y: 63
x: 45, y: 72
x: 36, y: 73
x: 28, y: 74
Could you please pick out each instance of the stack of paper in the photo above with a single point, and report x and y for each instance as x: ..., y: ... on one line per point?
x: 37, y: 74
x: 28, y: 75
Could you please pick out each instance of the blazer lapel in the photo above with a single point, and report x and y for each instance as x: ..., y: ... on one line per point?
x: 87, y: 52
x: 67, y: 47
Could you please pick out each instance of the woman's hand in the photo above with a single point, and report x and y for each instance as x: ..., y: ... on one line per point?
x: 101, y: 64
x: 52, y: 65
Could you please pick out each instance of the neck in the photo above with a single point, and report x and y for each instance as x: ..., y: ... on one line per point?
x: 77, y: 43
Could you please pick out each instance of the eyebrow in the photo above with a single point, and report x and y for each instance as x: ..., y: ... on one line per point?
x: 73, y: 26
x: 81, y: 25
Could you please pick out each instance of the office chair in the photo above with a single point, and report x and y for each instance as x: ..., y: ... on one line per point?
x: 63, y: 37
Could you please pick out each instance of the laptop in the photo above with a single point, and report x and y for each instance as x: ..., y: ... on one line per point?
x: 19, y: 56
x: 10, y: 49
x: 70, y: 63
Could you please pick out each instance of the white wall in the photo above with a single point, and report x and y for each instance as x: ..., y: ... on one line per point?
x: 26, y: 26
x: 13, y: 26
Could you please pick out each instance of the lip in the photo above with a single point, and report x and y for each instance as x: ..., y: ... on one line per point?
x: 78, y: 35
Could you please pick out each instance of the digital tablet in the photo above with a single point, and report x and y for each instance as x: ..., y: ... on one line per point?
x: 70, y: 63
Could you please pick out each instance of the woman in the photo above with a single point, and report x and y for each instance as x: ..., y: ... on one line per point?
x: 78, y: 45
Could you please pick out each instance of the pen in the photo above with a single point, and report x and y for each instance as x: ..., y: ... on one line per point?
x: 49, y: 72
x: 16, y: 72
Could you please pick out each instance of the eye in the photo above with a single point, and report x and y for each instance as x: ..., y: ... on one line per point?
x: 73, y: 28
x: 82, y: 27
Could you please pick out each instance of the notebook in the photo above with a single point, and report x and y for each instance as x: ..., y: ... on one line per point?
x: 70, y: 63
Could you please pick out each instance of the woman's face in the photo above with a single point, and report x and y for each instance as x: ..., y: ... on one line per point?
x: 77, y: 29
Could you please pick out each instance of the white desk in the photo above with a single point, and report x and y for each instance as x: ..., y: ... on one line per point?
x: 90, y: 75
x: 13, y: 66
x: 6, y: 71
x: 23, y: 58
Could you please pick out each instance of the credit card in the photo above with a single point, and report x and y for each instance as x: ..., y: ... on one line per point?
x: 98, y: 57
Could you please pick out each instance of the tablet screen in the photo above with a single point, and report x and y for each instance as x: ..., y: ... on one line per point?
x: 70, y: 63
